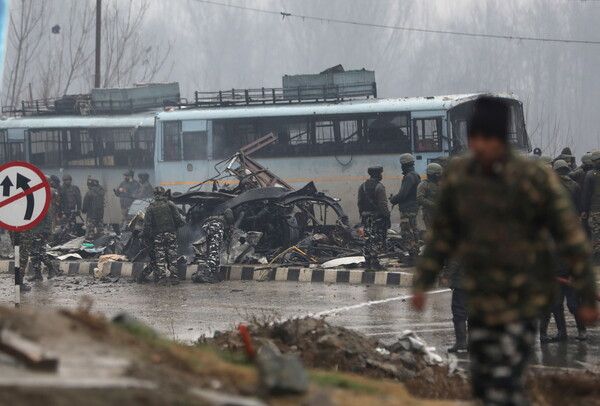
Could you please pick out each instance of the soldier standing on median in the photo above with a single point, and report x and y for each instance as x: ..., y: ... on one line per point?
x: 406, y: 199
x: 375, y: 216
x: 93, y: 208
x: 502, y: 216
x: 427, y: 192
x: 161, y: 223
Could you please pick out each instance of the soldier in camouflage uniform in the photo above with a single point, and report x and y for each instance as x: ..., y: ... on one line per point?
x: 578, y: 175
x: 427, y: 192
x: 161, y: 222
x: 71, y: 196
x: 590, y: 205
x: 24, y: 244
x: 375, y: 216
x: 36, y: 240
x: 93, y: 208
x: 145, y: 190
x: 406, y: 199
x: 216, y: 229
x: 127, y: 192
x: 502, y: 216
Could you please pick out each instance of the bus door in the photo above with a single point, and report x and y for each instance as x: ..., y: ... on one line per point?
x: 12, y: 145
x: 429, y: 136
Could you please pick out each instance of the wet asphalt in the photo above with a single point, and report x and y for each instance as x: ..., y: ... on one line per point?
x: 187, y: 311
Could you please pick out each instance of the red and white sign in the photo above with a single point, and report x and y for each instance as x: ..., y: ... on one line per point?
x: 24, y: 196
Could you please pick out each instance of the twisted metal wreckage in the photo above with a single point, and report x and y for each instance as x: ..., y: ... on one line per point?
x: 274, y: 223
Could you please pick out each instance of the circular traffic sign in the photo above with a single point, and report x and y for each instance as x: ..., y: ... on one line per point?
x: 24, y: 196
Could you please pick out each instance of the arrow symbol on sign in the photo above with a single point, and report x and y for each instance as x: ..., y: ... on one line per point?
x: 23, y: 183
x: 6, y: 185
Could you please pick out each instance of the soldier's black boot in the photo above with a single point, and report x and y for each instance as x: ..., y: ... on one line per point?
x: 561, y: 326
x: 25, y: 287
x: 581, y: 330
x: 460, y: 330
x: 37, y: 276
x: 52, y: 271
x: 143, y: 276
x: 544, y: 321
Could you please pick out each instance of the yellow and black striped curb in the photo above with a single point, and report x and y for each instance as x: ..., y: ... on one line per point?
x: 242, y: 273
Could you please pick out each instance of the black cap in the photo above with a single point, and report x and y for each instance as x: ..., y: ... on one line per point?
x: 375, y: 171
x: 490, y: 118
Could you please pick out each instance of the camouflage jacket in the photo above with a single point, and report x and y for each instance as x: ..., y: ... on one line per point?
x: 574, y: 190
x: 161, y: 217
x: 406, y: 199
x: 503, y: 227
x: 427, y: 192
x: 93, y: 203
x: 145, y: 191
x: 372, y: 199
x: 71, y: 199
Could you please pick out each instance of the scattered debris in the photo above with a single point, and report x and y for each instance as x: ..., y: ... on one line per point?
x: 26, y: 351
x: 280, y: 374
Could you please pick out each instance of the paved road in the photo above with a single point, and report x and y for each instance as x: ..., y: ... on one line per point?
x: 187, y: 311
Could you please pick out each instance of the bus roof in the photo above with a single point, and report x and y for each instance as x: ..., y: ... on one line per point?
x: 104, y: 121
x: 434, y: 103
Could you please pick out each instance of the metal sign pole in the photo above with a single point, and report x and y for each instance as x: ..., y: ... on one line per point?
x: 17, y: 270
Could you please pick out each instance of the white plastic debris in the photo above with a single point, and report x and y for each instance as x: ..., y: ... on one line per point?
x: 343, y: 262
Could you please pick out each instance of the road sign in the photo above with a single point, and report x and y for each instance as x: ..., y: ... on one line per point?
x: 24, y: 196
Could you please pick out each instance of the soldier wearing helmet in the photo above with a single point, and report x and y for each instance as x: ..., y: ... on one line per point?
x: 93, y: 208
x: 590, y: 205
x: 146, y: 190
x: 406, y: 199
x: 161, y: 222
x: 427, y: 192
x: 71, y: 196
x: 375, y: 216
x: 578, y: 175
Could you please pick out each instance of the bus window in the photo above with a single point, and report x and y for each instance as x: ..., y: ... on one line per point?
x: 10, y: 150
x: 78, y: 148
x: 45, y: 147
x: 388, y: 133
x: 195, y: 145
x: 171, y: 138
x: 428, y: 134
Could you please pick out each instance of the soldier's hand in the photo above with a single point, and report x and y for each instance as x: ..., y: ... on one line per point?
x: 418, y: 301
x: 588, y: 314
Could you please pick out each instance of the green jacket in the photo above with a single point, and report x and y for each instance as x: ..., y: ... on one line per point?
x: 426, y: 196
x: 504, y: 227
x: 93, y: 203
x: 161, y: 216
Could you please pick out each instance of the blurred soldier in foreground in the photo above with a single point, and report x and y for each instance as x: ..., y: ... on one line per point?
x: 453, y: 278
x: 427, y: 192
x: 161, y: 223
x: 145, y: 191
x: 93, y: 208
x: 504, y: 215
x: 406, y: 199
x: 590, y: 206
x: 216, y: 229
x: 375, y: 216
x: 127, y: 192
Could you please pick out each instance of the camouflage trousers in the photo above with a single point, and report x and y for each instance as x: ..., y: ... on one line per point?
x: 409, y: 231
x: 594, y: 225
x: 37, y: 254
x: 499, y: 356
x: 151, y: 266
x: 215, y: 234
x: 25, y: 245
x: 165, y: 254
x: 375, y: 239
x: 93, y: 228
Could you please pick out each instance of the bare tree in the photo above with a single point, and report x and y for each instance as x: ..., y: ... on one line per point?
x: 27, y: 19
x: 128, y: 58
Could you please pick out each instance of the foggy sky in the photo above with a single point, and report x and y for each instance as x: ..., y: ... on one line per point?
x: 219, y: 48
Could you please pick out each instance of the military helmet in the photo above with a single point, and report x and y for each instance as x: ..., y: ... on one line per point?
x: 546, y: 160
x: 67, y: 177
x: 560, y: 164
x: 595, y: 156
x: 159, y: 191
x: 433, y: 169
x: 587, y: 158
x: 54, y: 179
x: 375, y: 171
x: 229, y: 217
x: 143, y: 175
x: 406, y: 159
x: 92, y: 181
x: 128, y: 172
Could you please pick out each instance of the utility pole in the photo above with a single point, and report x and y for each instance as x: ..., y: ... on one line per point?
x: 98, y: 42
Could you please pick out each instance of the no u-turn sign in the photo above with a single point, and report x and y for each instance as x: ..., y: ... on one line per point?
x: 24, y: 196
